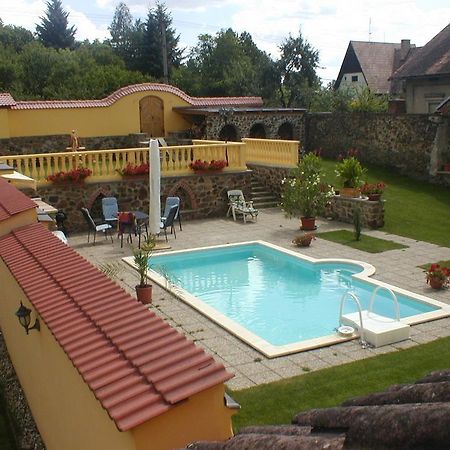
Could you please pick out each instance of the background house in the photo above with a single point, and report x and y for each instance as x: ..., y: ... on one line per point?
x: 426, y: 75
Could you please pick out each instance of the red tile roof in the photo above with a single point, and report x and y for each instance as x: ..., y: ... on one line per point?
x: 127, y: 90
x: 6, y: 99
x: 12, y: 201
x: 136, y: 365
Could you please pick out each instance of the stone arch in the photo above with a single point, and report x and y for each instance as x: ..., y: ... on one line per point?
x: 286, y: 131
x: 258, y: 131
x: 188, y: 200
x: 94, y: 201
x: 228, y: 133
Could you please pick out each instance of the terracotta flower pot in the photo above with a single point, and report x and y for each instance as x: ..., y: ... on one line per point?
x: 436, y: 283
x: 308, y: 223
x: 374, y: 197
x: 350, y: 192
x: 144, y: 294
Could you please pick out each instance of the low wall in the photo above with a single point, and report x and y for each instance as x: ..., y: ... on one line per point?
x: 342, y: 209
x: 201, y: 195
x: 29, y: 145
x: 401, y: 141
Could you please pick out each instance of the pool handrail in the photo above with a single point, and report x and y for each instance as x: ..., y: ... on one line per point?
x: 394, y: 298
x: 358, y: 304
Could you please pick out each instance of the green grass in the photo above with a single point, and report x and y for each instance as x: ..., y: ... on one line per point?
x: 277, y: 403
x: 445, y: 263
x: 366, y: 243
x: 415, y: 209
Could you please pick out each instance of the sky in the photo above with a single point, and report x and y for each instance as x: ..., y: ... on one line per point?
x: 327, y: 25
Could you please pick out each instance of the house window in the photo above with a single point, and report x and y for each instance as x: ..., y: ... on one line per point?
x: 354, y: 77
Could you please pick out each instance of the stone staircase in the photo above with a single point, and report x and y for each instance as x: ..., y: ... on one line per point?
x: 262, y: 197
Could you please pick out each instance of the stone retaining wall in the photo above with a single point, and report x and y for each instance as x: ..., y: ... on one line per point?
x: 201, y: 195
x: 243, y: 122
x: 342, y: 209
x: 401, y: 141
x: 58, y: 143
x: 270, y: 177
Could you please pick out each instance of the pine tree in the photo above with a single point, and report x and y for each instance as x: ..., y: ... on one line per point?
x: 159, y: 21
x: 53, y: 31
x: 121, y: 30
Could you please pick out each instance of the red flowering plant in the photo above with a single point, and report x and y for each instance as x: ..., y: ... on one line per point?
x: 76, y: 175
x: 436, y: 271
x: 133, y: 169
x: 374, y: 188
x: 199, y: 165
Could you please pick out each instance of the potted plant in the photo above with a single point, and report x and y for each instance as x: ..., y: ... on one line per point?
x: 76, y: 175
x: 131, y: 170
x: 373, y: 191
x: 304, y: 240
x: 141, y: 260
x: 351, y: 172
x: 304, y: 195
x: 437, y: 276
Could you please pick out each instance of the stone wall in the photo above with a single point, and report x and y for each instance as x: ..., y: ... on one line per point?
x: 243, y: 122
x: 201, y: 195
x: 58, y: 143
x: 401, y: 141
x: 342, y: 209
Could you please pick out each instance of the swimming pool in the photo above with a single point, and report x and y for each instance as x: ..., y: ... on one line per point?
x: 276, y: 300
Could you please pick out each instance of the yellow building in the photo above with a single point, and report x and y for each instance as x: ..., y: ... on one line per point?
x: 142, y: 108
x: 102, y: 372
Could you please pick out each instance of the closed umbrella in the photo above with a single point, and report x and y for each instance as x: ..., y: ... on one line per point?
x: 155, y: 188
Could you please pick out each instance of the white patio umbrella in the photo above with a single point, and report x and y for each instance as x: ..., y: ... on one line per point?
x: 16, y: 178
x: 154, y: 220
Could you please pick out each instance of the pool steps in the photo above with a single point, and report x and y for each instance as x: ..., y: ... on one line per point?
x: 373, y: 328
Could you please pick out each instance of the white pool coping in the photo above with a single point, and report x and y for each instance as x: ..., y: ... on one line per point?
x: 270, y: 350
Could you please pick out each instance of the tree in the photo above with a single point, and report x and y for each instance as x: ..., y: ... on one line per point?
x: 53, y: 30
x: 158, y: 33
x: 14, y: 37
x: 121, y: 30
x: 297, y: 71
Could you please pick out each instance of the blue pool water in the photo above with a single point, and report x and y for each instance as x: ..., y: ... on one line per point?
x: 277, y: 296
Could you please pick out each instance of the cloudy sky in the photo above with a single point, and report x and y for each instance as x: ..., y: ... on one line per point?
x: 328, y: 25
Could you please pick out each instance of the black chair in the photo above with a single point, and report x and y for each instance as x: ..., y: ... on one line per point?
x: 169, y: 221
x: 127, y: 225
x: 92, y: 226
x: 171, y: 201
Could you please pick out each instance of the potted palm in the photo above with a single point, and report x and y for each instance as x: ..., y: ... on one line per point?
x: 141, y: 260
x: 351, y: 172
x: 304, y: 195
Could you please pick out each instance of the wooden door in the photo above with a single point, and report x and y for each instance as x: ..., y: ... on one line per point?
x: 152, y: 116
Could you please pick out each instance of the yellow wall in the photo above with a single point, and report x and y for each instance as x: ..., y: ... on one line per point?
x: 66, y: 412
x: 18, y: 220
x: 121, y: 118
x: 202, y: 417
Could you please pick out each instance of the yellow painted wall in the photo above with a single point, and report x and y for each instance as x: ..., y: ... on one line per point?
x: 202, y: 417
x: 121, y: 118
x: 66, y: 412
x: 18, y: 220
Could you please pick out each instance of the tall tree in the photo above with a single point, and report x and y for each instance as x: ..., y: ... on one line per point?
x: 53, y: 31
x: 297, y: 71
x: 160, y: 43
x: 121, y: 30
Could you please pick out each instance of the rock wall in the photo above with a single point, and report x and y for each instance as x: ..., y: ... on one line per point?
x: 201, y: 195
x: 342, y: 209
x: 243, y: 122
x: 401, y: 141
x: 58, y: 143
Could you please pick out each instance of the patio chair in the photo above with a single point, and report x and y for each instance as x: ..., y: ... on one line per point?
x: 169, y: 221
x: 171, y: 201
x: 93, y: 227
x: 126, y: 225
x: 238, y: 205
x: 110, y: 210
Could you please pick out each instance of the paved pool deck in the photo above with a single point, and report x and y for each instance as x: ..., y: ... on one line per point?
x: 397, y: 267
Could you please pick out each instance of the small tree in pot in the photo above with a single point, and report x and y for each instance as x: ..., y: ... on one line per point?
x: 351, y: 172
x: 141, y: 260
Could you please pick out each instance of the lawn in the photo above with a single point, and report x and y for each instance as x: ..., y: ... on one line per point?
x: 415, y: 209
x: 366, y: 243
x: 277, y: 403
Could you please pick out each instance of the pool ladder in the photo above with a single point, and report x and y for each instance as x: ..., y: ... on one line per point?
x: 369, y: 315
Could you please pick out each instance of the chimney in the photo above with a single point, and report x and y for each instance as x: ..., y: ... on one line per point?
x: 404, y: 49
